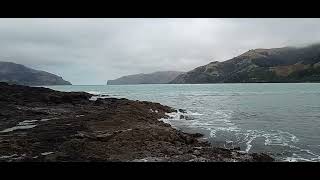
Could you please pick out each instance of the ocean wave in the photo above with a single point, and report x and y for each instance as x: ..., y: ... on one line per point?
x: 222, y: 123
x: 299, y: 158
x: 196, y: 120
x: 194, y: 113
x: 313, y: 157
x: 94, y: 92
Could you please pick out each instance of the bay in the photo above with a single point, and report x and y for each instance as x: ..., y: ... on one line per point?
x: 282, y: 119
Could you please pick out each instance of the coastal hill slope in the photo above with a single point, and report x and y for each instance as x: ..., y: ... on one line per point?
x: 19, y: 74
x: 288, y: 64
x: 160, y: 77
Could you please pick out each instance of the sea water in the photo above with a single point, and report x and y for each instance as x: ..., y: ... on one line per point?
x: 282, y: 119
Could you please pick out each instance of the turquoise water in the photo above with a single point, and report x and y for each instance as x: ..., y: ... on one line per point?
x: 281, y: 119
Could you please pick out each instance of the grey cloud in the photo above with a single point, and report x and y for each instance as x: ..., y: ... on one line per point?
x: 91, y: 51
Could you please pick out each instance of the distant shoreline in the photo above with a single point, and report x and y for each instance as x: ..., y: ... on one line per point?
x: 182, y: 84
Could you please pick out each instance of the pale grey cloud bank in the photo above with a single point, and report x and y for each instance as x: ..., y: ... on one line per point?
x: 91, y: 51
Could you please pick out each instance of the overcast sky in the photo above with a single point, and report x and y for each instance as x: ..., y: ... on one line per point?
x: 91, y: 51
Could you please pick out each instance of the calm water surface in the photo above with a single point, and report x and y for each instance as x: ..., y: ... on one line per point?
x: 281, y: 119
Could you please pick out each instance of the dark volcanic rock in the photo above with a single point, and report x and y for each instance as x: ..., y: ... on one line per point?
x: 262, y: 157
x: 23, y: 94
x: 39, y: 124
x: 182, y: 111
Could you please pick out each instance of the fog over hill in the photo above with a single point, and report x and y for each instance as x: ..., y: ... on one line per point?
x: 91, y: 51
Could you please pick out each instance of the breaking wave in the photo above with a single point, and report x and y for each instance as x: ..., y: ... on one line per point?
x: 242, y: 137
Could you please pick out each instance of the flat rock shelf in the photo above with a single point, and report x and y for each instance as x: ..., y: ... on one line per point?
x: 41, y: 125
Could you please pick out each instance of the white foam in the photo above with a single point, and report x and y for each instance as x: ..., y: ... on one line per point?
x: 277, y: 138
x: 140, y: 160
x: 231, y: 129
x: 48, y: 119
x: 156, y: 111
x: 6, y: 157
x: 46, y: 153
x: 290, y: 159
x: 27, y: 122
x: 94, y: 98
x: 297, y: 158
x: 248, y: 143
x: 212, y: 133
x: 166, y: 121
x: 272, y: 138
x: 94, y: 92
x: 96, y: 95
x: 310, y: 152
x: 18, y: 128
x: 222, y: 122
x: 177, y: 115
x: 194, y: 113
x: 148, y: 159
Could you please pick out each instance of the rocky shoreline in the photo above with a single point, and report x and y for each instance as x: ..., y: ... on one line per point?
x: 42, y: 125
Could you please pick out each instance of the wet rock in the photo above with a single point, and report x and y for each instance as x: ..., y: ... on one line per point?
x: 196, y: 152
x: 186, y: 117
x: 149, y: 159
x: 262, y: 157
x: 99, y: 102
x: 197, y: 135
x: 189, y: 118
x: 182, y: 111
x: 70, y: 127
x: 236, y: 149
x: 200, y: 159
